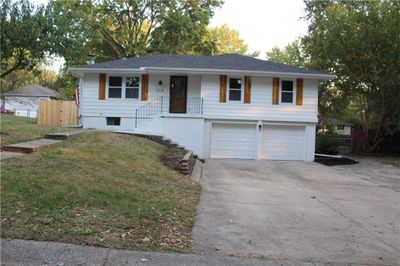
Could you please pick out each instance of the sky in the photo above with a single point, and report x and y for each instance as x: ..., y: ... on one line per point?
x: 262, y: 24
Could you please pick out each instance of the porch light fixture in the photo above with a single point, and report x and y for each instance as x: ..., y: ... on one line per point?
x: 160, y: 82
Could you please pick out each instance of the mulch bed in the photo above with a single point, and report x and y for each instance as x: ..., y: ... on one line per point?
x: 334, y: 161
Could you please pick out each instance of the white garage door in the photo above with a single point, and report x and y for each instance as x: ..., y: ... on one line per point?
x: 233, y: 141
x: 283, y: 142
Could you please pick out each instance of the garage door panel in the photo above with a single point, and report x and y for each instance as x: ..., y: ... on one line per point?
x: 233, y: 141
x: 283, y: 142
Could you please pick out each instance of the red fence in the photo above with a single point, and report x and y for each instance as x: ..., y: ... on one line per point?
x: 390, y: 143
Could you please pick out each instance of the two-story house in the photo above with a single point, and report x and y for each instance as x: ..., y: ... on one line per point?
x: 225, y: 106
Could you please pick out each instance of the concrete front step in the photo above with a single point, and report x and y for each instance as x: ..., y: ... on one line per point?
x: 29, y: 146
x: 63, y: 135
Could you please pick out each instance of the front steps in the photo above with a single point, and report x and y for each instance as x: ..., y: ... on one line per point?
x: 14, y: 150
x: 63, y: 135
x: 29, y: 146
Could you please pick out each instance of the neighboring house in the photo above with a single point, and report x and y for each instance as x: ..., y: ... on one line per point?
x: 225, y: 106
x: 342, y: 127
x: 24, y: 101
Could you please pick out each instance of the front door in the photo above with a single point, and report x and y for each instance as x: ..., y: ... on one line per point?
x: 178, y: 93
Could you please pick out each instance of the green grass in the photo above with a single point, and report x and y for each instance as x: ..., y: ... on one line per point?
x: 16, y: 129
x: 99, y: 189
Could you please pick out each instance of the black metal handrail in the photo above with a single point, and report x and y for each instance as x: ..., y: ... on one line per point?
x: 162, y: 105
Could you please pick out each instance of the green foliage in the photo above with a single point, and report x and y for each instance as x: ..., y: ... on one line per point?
x: 25, y: 36
x: 22, y: 77
x: 226, y: 40
x: 327, y: 144
x: 183, y: 28
x: 291, y: 54
x: 117, y: 29
x: 360, y: 42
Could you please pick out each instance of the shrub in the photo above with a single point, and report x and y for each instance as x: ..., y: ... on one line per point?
x: 327, y: 144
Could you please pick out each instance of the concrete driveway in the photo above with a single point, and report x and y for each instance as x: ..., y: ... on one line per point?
x: 302, y: 212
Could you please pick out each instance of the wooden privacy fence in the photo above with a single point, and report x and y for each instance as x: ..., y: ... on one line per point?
x: 57, y: 112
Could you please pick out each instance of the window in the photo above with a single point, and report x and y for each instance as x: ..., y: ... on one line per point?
x: 287, y: 91
x: 340, y: 127
x: 114, y: 87
x: 123, y: 87
x: 132, y: 87
x: 235, y: 89
x: 113, y: 121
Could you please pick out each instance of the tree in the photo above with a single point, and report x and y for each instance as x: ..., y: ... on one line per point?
x: 226, y: 40
x: 292, y: 54
x: 22, y: 77
x: 24, y: 36
x: 117, y: 29
x: 360, y: 42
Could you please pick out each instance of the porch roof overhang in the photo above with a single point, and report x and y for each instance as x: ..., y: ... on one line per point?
x: 200, y: 71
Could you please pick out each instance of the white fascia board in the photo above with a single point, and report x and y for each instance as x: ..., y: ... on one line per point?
x: 81, y: 71
x: 230, y: 71
x: 161, y: 70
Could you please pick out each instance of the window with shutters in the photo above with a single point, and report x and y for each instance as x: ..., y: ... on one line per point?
x: 120, y: 87
x: 235, y: 89
x: 287, y: 91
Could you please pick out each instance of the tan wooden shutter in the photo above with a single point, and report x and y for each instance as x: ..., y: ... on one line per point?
x: 275, y: 90
x: 299, y: 91
x: 247, y: 89
x: 222, y: 88
x: 102, y: 86
x: 145, y: 87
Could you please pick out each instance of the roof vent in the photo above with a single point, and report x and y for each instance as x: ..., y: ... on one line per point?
x: 91, y: 57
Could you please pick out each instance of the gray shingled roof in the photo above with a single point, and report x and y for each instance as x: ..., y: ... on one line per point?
x: 226, y: 62
x: 33, y: 90
x: 336, y: 122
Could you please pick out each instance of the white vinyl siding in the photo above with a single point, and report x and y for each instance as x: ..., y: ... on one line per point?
x: 233, y: 141
x: 93, y: 107
x: 261, y: 107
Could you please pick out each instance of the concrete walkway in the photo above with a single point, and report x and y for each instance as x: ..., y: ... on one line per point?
x: 27, y: 252
x: 19, y: 149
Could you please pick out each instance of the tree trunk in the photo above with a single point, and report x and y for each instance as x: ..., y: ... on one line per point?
x: 5, y: 73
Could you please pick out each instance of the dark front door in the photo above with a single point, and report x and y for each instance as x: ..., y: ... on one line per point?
x: 177, y: 93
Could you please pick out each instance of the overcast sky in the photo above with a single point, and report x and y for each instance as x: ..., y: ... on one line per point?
x: 262, y: 24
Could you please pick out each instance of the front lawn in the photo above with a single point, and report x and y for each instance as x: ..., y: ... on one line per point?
x: 100, y: 189
x: 16, y: 129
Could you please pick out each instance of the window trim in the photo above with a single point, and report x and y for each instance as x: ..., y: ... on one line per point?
x: 340, y: 129
x: 294, y: 91
x: 229, y: 89
x: 123, y: 87
x: 113, y: 117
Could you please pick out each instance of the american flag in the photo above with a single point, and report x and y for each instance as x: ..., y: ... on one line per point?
x: 77, y: 95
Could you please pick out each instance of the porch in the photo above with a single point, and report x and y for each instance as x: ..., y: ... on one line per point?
x: 169, y: 105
